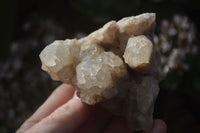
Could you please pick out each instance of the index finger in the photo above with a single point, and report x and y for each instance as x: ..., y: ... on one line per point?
x: 61, y: 95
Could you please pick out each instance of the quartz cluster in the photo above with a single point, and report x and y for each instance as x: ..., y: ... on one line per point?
x: 117, y: 66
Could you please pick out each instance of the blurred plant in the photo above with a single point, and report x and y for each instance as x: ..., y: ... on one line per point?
x: 179, y: 47
x: 176, y: 42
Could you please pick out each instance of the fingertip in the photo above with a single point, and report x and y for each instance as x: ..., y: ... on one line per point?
x: 70, y: 111
x: 64, y: 85
x: 161, y: 123
x: 75, y: 95
x: 159, y: 126
x: 63, y: 90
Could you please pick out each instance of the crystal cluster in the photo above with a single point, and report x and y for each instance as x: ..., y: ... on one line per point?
x: 117, y: 66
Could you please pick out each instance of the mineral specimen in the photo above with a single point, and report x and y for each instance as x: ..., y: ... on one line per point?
x: 117, y: 66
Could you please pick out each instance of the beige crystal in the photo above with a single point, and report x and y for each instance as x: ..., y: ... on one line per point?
x: 96, y: 77
x: 138, y: 25
x: 59, y: 59
x: 138, y: 51
x: 107, y: 35
x: 116, y: 66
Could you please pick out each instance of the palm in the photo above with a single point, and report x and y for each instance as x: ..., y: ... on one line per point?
x: 62, y: 112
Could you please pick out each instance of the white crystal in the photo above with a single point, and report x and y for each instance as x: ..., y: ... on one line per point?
x: 138, y: 51
x: 95, y: 66
x: 115, y: 64
x: 90, y: 50
x: 59, y: 59
x: 137, y: 25
x: 107, y: 35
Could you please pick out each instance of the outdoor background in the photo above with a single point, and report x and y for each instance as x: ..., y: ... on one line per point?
x: 27, y: 26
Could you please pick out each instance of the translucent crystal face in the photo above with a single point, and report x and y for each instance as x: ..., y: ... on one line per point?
x: 92, y: 74
x: 59, y: 59
x: 107, y: 35
x: 89, y: 50
x: 97, y: 72
x: 138, y: 51
x: 117, y: 66
x: 114, y: 63
x: 48, y: 55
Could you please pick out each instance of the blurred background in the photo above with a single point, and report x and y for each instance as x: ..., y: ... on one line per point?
x: 27, y: 26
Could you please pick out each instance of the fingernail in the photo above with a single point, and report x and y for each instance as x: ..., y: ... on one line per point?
x: 75, y: 96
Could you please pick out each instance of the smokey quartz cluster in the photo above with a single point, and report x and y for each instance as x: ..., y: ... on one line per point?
x: 117, y: 66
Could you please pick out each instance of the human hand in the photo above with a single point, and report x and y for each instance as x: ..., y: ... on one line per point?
x: 63, y: 112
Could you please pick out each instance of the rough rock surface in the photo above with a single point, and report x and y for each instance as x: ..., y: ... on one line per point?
x: 117, y: 66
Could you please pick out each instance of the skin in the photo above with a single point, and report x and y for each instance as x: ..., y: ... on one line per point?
x: 63, y: 112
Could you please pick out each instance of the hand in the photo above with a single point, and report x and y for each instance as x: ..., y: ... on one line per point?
x: 63, y: 112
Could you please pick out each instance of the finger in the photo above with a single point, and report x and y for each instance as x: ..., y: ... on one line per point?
x: 66, y: 118
x: 61, y: 95
x: 159, y: 126
x: 118, y: 125
x: 97, y: 121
